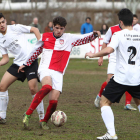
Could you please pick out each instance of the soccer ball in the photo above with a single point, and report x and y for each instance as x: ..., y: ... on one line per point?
x: 58, y: 118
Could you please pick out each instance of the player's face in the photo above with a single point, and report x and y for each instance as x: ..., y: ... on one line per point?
x: 58, y: 30
x: 135, y: 20
x: 3, y: 25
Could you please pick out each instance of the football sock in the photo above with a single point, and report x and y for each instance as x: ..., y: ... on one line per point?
x: 4, y: 99
x: 40, y: 109
x: 128, y: 98
x: 108, y: 118
x: 51, y: 108
x: 102, y: 88
x: 139, y: 108
x: 38, y: 98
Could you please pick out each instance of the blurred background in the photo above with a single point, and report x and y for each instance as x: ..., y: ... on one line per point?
x: 75, y: 11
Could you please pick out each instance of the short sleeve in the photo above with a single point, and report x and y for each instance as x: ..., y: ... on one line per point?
x: 22, y: 28
x: 107, y: 36
x: 114, y: 41
x: 3, y: 50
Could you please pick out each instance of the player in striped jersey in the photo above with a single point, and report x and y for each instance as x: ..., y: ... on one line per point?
x: 55, y: 57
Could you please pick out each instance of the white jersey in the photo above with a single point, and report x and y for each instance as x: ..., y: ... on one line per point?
x: 127, y: 46
x: 136, y: 27
x: 15, y: 42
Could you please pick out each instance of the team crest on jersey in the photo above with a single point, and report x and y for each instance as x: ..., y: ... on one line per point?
x: 61, y: 41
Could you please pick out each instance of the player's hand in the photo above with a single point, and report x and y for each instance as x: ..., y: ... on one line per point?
x: 21, y: 68
x: 97, y: 34
x: 100, y: 61
x: 89, y: 54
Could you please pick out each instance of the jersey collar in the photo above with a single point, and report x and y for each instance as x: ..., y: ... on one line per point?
x: 120, y: 27
x: 55, y: 36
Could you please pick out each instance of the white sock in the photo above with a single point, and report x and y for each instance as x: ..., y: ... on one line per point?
x: 40, y: 109
x: 139, y: 107
x: 108, y: 118
x: 4, y: 99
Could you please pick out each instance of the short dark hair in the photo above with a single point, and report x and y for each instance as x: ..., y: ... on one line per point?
x: 60, y: 21
x: 135, y: 16
x: 14, y: 20
x: 88, y: 18
x: 2, y: 16
x: 126, y: 16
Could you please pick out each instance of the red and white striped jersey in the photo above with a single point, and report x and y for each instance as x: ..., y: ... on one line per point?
x: 107, y: 39
x: 56, y: 51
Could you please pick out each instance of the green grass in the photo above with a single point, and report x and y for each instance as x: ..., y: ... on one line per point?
x: 82, y: 82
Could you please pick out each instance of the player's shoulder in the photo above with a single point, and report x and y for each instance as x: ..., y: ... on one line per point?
x: 115, y: 28
x: 47, y: 36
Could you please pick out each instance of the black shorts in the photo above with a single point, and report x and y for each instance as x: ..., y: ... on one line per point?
x: 30, y: 71
x: 114, y: 91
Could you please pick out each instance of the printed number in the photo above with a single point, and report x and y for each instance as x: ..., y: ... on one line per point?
x: 134, y: 51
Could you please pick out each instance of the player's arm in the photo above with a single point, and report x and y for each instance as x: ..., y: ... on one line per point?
x: 27, y: 29
x: 102, y: 53
x: 106, y: 40
x: 111, y: 47
x: 36, y: 32
x: 100, y: 61
x: 4, y: 60
x: 77, y: 40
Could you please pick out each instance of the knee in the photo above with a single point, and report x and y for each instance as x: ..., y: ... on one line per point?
x: 2, y: 87
x: 33, y: 90
x: 104, y: 102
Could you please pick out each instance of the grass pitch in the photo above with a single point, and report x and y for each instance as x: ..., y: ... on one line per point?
x: 82, y: 82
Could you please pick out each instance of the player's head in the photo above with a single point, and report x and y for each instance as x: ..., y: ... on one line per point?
x: 88, y: 19
x: 3, y: 23
x: 125, y: 17
x: 13, y: 21
x: 135, y: 19
x: 59, y: 24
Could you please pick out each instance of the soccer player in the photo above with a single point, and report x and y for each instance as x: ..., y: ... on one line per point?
x: 55, y: 57
x: 12, y: 39
x: 136, y: 26
x: 127, y: 76
x: 111, y: 69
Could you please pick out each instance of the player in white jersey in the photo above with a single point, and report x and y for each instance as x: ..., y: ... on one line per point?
x: 12, y: 39
x: 136, y: 26
x: 127, y: 75
x: 55, y: 57
x: 111, y: 69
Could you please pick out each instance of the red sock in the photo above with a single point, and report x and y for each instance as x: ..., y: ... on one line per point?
x: 128, y: 98
x: 102, y: 88
x: 38, y: 98
x: 51, y: 108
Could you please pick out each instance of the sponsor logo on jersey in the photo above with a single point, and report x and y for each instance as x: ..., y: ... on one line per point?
x: 47, y: 39
x: 61, y: 41
x: 31, y: 73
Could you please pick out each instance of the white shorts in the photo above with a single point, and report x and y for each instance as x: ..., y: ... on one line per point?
x: 111, y: 68
x: 57, y: 77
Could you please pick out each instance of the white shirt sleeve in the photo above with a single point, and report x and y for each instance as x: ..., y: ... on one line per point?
x: 22, y: 28
x: 107, y: 36
x: 76, y: 40
x: 114, y: 41
x: 3, y: 50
